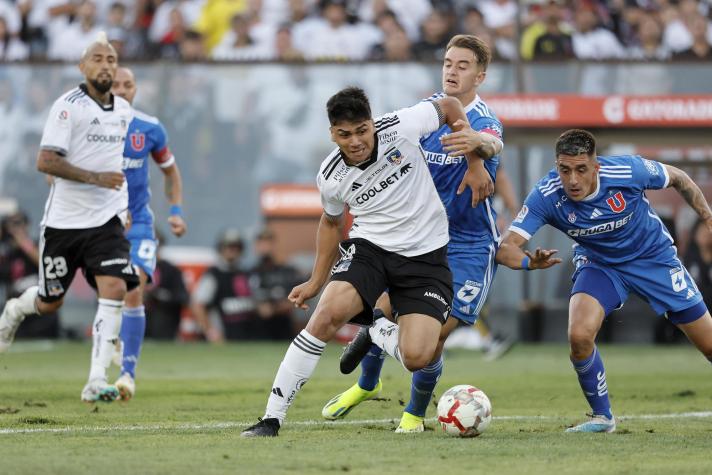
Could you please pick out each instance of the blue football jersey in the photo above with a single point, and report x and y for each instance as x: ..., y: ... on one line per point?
x: 615, y: 224
x: 146, y: 136
x: 467, y: 225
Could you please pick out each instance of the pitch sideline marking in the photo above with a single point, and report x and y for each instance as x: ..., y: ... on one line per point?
x: 231, y: 425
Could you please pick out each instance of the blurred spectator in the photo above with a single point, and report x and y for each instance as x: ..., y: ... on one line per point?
x: 165, y: 298
x: 284, y: 49
x: 554, y: 42
x: 72, y: 41
x: 19, y: 258
x: 590, y: 40
x: 192, y: 47
x: 396, y: 46
x: 472, y: 21
x: 332, y: 38
x: 272, y: 282
x: 678, y: 31
x: 436, y: 32
x: 169, y: 43
x: 500, y: 17
x: 698, y: 260
x: 11, y: 48
x: 171, y: 19
x: 649, y: 46
x: 700, y: 49
x: 225, y: 289
x: 410, y: 14
x: 10, y: 14
x: 238, y: 45
x: 214, y: 20
x: 550, y: 11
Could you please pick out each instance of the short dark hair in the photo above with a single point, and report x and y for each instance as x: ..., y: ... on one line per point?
x: 348, y: 105
x: 575, y: 142
x: 476, y: 45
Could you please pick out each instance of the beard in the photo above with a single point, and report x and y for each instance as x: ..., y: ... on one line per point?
x: 102, y: 86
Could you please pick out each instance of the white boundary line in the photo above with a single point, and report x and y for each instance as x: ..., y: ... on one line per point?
x: 232, y: 425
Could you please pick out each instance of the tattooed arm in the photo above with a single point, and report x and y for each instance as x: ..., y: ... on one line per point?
x: 689, y: 190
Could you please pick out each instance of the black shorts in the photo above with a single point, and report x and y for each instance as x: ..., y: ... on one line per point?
x: 97, y: 251
x: 420, y: 284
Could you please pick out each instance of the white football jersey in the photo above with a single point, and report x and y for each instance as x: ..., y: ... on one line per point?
x: 391, y: 195
x: 90, y: 136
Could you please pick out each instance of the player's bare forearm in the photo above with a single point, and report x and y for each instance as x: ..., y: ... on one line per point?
x: 173, y: 184
x: 510, y: 251
x: 450, y: 112
x: 54, y: 164
x: 327, y: 247
x: 689, y: 190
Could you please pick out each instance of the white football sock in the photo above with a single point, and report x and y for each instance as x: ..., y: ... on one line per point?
x: 297, y: 367
x: 384, y: 334
x: 105, y: 332
x: 27, y: 302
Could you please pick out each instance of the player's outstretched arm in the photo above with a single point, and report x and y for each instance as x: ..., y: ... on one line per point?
x: 689, y: 190
x: 52, y: 163
x: 328, y: 237
x: 466, y: 140
x: 512, y: 255
x: 173, y: 187
x: 476, y: 176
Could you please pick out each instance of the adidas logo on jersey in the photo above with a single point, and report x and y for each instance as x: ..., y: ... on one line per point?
x: 690, y: 294
x: 596, y: 213
x: 95, y: 121
x: 356, y: 186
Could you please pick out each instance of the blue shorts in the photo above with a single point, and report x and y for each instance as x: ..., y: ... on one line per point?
x: 143, y: 241
x: 661, y: 281
x: 473, y: 269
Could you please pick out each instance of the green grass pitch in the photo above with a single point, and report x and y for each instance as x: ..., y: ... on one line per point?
x: 193, y: 400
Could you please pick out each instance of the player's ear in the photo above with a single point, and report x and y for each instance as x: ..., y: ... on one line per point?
x: 81, y: 66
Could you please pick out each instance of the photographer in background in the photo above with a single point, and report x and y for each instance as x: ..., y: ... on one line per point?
x: 19, y: 258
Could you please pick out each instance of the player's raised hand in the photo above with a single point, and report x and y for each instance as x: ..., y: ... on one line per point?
x: 303, y: 292
x: 461, y: 142
x: 479, y: 181
x: 114, y: 180
x: 177, y: 224
x: 541, y: 258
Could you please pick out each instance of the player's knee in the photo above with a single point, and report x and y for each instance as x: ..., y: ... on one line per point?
x: 581, y: 344
x: 113, y: 289
x: 323, y: 324
x: 413, y: 360
x: 49, y: 307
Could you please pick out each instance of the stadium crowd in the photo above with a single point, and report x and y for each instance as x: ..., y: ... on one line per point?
x: 356, y: 30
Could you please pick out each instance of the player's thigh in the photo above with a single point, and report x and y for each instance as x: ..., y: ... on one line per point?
x: 586, y: 316
x: 473, y: 270
x: 58, y: 263
x: 664, y: 282
x: 106, y: 253
x: 338, y: 304
x: 593, y: 296
x: 361, y: 265
x: 699, y: 332
x: 418, y: 338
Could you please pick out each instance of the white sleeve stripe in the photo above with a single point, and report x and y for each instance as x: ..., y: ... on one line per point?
x: 170, y: 162
x: 521, y: 232
x: 667, y: 176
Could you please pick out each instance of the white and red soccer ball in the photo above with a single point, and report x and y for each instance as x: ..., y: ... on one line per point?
x: 464, y: 411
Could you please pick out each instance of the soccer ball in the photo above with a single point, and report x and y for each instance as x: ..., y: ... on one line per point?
x: 464, y: 411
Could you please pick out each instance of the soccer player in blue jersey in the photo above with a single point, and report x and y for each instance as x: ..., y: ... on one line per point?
x: 621, y: 247
x: 146, y: 136
x: 473, y: 232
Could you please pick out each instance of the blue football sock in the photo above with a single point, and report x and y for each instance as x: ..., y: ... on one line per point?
x: 422, y: 387
x: 133, y: 327
x: 592, y: 378
x: 371, y: 365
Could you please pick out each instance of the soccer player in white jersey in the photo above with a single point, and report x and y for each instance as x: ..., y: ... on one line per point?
x: 622, y: 246
x: 83, y: 224
x: 146, y: 136
x: 473, y: 233
x: 398, y: 240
